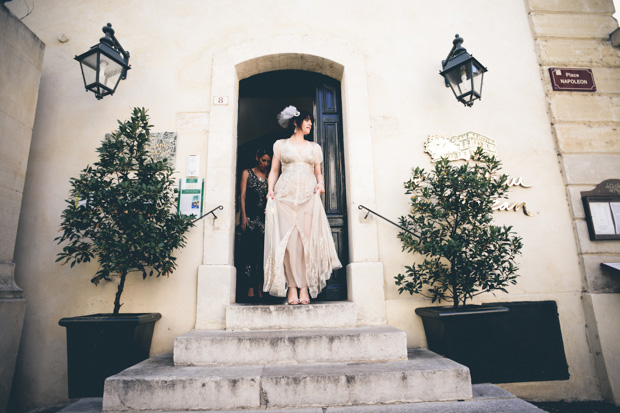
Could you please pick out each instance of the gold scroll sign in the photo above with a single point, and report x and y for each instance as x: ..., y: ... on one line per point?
x: 461, y: 147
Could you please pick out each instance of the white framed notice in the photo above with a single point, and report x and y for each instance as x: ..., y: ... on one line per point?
x: 615, y: 213
x: 190, y: 196
x: 602, y: 219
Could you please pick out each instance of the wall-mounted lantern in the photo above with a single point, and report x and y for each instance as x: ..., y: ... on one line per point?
x: 463, y: 73
x: 104, y: 65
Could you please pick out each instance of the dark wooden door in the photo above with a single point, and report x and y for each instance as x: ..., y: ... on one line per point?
x: 328, y: 134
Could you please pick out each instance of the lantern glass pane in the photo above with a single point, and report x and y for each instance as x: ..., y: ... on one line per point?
x: 89, y: 68
x: 460, y: 79
x: 466, y: 84
x: 478, y: 74
x: 109, y: 72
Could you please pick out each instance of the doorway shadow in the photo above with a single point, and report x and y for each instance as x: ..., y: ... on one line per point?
x: 261, y: 98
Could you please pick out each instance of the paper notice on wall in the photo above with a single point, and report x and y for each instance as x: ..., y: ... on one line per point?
x: 190, y: 196
x: 615, y: 212
x: 602, y: 218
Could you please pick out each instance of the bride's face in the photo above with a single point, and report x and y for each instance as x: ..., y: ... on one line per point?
x: 306, y: 126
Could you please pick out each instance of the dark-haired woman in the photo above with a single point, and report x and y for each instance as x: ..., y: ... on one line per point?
x: 253, y: 192
x: 299, y: 249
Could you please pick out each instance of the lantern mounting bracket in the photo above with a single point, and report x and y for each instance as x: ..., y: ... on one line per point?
x: 110, y: 40
x: 456, y: 50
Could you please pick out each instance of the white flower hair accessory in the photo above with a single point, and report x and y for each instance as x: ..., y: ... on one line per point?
x: 285, y: 116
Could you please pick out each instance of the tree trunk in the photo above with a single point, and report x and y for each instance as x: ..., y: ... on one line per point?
x: 119, y: 291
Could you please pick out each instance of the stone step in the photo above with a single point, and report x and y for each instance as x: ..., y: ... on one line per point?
x: 487, y: 398
x: 226, y: 348
x: 333, y: 314
x: 157, y: 384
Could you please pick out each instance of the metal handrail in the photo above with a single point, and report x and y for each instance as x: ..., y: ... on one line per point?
x: 384, y: 218
x: 210, y: 212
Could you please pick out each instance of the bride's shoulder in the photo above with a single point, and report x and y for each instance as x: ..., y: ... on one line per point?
x: 277, y: 147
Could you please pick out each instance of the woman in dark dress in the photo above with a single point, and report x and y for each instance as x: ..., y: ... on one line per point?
x: 253, y: 198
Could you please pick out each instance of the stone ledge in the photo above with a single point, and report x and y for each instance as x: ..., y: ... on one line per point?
x: 576, y: 53
x: 580, y: 26
x: 579, y: 138
x: 600, y: 280
x: 574, y: 6
x: 590, y: 169
x: 584, y: 108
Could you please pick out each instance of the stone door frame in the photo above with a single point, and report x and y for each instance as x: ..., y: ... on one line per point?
x: 216, y: 275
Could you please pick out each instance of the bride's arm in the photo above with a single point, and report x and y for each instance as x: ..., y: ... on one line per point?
x: 274, y: 174
x: 320, y: 180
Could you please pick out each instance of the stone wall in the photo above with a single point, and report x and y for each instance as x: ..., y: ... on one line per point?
x: 21, y: 59
x: 575, y: 34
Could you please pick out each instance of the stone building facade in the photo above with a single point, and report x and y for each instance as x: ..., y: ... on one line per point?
x: 189, y: 61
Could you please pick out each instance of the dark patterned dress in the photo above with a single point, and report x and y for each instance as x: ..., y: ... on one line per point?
x: 253, y: 238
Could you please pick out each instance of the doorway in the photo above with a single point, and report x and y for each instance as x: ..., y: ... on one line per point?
x: 261, y: 98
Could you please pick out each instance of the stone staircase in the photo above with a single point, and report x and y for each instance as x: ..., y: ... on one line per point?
x: 299, y: 358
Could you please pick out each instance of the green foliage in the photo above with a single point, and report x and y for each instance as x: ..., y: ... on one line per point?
x: 119, y: 210
x: 451, y: 211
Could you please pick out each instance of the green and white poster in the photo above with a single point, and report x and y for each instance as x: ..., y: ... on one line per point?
x: 190, y: 196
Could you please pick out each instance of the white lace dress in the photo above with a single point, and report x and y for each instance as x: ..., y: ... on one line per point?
x: 299, y: 248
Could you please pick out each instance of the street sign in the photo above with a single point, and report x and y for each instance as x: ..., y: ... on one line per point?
x: 575, y: 80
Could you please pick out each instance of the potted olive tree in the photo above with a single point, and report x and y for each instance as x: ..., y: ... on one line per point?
x: 461, y: 255
x: 119, y: 213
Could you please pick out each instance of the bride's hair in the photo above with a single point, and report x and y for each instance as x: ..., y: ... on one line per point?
x: 297, y: 120
x: 290, y: 117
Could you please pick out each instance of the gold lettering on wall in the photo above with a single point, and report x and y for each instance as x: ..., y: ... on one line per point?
x: 517, y: 182
x: 500, y: 205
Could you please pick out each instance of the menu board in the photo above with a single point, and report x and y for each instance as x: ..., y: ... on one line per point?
x: 602, y: 208
x: 603, y: 216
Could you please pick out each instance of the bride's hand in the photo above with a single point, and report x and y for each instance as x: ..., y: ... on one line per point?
x: 270, y: 195
x: 320, y: 188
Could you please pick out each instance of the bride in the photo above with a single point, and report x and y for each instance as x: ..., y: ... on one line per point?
x: 299, y: 249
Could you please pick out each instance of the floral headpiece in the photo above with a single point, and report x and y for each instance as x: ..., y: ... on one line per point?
x: 285, y: 116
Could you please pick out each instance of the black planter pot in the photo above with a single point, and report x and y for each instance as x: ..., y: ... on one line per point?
x: 532, y: 343
x: 470, y: 335
x: 101, y: 345
x: 504, y: 342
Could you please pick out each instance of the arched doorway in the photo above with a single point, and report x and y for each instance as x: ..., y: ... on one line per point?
x: 217, y: 275
x: 261, y: 98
